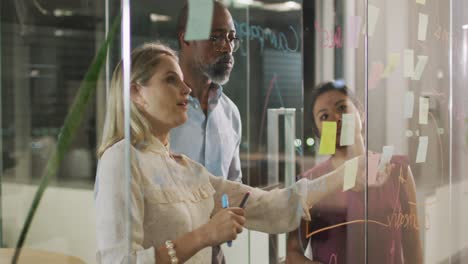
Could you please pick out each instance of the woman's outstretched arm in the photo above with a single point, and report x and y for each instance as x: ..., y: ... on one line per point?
x: 279, y: 210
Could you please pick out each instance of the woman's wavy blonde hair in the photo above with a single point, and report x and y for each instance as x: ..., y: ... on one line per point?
x: 144, y: 60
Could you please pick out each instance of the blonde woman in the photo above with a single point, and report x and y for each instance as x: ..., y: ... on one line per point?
x: 174, y: 206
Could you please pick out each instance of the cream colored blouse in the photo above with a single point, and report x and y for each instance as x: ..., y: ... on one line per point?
x: 170, y: 196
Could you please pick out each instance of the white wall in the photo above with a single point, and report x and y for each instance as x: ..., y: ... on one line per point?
x: 64, y: 221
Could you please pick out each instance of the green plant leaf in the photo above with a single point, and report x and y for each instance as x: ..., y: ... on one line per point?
x: 68, y: 131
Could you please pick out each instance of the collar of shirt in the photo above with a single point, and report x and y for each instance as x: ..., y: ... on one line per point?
x: 213, y: 97
x: 155, y: 145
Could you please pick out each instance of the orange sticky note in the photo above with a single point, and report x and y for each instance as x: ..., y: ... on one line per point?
x: 328, y: 138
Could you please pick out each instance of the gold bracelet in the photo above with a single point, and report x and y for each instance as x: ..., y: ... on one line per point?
x: 171, y: 252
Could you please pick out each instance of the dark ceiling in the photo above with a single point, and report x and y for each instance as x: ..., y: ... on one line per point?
x: 86, y: 14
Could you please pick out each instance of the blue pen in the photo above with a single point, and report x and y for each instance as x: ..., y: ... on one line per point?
x: 225, y: 204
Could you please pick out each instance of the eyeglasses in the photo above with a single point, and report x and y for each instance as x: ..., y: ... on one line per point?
x: 219, y: 42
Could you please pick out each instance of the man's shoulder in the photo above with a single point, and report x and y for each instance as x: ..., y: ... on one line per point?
x: 228, y: 101
x: 228, y: 104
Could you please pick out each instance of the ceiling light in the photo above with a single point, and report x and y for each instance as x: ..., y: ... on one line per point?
x: 310, y: 142
x: 159, y: 18
x: 34, y: 73
x: 278, y: 7
x: 58, y: 12
x: 246, y: 3
x: 297, y: 142
x: 62, y: 12
x: 283, y: 7
x: 68, y: 13
x: 59, y: 33
x: 243, y: 2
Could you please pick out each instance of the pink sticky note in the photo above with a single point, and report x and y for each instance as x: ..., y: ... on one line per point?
x: 376, y: 74
x: 372, y: 167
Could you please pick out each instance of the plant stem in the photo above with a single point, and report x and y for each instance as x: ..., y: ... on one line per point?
x: 68, y: 131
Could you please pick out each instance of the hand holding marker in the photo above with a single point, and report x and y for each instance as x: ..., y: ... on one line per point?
x: 225, y: 204
x: 244, y: 200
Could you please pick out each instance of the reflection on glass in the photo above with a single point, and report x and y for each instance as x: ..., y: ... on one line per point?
x: 409, y: 73
x: 336, y: 231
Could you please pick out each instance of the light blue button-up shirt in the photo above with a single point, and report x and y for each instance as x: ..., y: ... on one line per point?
x: 213, y: 139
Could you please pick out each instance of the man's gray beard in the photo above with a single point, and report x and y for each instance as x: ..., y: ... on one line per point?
x: 217, y: 76
x: 221, y: 80
x: 217, y: 73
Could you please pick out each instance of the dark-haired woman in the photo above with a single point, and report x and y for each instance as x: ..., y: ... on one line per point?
x: 336, y: 233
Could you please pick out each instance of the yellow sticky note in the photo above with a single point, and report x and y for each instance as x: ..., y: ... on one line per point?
x: 328, y: 138
x: 422, y: 29
x: 350, y: 174
x: 422, y: 2
x: 393, y: 61
x: 200, y: 15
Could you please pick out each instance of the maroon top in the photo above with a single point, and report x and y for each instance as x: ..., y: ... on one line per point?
x: 346, y: 243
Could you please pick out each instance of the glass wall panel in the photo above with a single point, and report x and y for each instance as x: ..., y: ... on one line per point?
x: 416, y: 68
x: 265, y: 84
x: 273, y: 110
x: 384, y: 81
x: 334, y: 85
x: 409, y: 80
x: 49, y: 62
